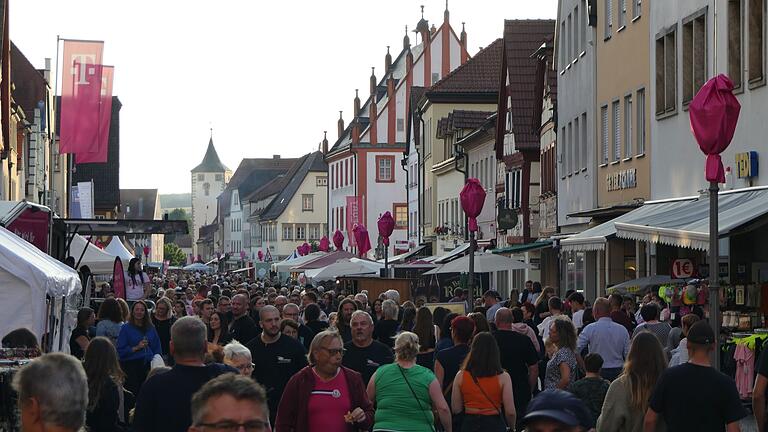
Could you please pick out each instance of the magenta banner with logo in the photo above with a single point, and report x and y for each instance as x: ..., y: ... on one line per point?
x: 33, y: 226
x: 353, y: 217
x: 105, y: 117
x: 81, y: 96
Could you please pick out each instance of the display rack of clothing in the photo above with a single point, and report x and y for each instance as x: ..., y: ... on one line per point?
x: 11, y: 359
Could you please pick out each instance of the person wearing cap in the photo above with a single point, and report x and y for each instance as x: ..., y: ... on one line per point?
x: 695, y: 396
x: 491, y: 302
x: 557, y: 411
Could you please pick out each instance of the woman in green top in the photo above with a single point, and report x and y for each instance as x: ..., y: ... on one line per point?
x: 395, y: 387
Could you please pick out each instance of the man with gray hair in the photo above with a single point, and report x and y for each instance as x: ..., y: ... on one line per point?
x: 239, y: 357
x: 365, y: 355
x: 228, y: 402
x: 53, y: 394
x: 163, y: 404
x: 393, y: 295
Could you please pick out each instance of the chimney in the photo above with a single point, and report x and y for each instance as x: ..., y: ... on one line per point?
x: 357, y: 104
x: 325, y: 142
x: 373, y: 82
x: 387, y: 61
x: 463, y: 43
x: 406, y: 39
x: 47, y: 70
x: 341, y: 124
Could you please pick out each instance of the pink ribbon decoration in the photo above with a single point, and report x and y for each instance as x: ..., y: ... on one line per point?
x: 472, y: 199
x: 361, y: 237
x: 325, y: 244
x: 260, y: 254
x: 338, y: 240
x: 386, y: 225
x: 714, y: 113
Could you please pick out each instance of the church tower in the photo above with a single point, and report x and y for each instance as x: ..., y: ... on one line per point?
x: 208, y: 181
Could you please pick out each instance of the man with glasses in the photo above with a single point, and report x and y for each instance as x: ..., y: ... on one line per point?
x: 230, y: 403
x: 291, y: 311
x: 276, y: 358
x: 325, y: 395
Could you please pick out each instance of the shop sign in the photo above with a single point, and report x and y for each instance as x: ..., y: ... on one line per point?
x: 682, y: 268
x: 620, y: 180
x: 746, y: 164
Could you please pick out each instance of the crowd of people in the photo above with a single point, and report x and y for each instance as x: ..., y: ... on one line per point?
x: 223, y: 353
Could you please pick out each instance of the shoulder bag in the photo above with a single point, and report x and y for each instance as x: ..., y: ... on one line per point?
x: 421, y: 409
x: 497, y: 408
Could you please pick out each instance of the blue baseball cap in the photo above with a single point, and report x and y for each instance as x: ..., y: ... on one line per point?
x: 560, y: 406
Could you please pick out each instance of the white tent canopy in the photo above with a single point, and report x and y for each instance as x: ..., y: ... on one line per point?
x: 99, y: 261
x: 118, y: 249
x: 484, y: 263
x: 344, y: 267
x: 285, y: 265
x: 27, y: 275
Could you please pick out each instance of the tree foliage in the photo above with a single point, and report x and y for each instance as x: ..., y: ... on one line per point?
x: 174, y: 254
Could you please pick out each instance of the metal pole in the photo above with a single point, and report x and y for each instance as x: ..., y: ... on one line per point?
x: 386, y: 260
x: 471, y: 282
x: 714, y: 272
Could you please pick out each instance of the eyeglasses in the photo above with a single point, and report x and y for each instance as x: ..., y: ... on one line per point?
x: 230, y: 426
x: 335, y: 351
x: 245, y: 366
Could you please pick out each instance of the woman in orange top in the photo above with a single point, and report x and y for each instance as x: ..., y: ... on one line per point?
x: 482, y: 390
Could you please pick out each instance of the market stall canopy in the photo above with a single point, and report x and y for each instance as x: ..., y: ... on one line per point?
x: 350, y: 267
x: 97, y: 259
x: 10, y: 210
x: 198, y: 267
x: 397, y: 259
x: 118, y: 249
x: 484, y: 263
x: 642, y: 285
x: 455, y: 253
x: 322, y: 261
x: 285, y: 265
x: 27, y: 276
x: 687, y: 224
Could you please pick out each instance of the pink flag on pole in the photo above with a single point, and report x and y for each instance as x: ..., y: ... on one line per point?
x: 80, y: 96
x: 105, y: 118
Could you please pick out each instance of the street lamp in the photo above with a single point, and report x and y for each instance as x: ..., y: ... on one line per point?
x: 386, y: 225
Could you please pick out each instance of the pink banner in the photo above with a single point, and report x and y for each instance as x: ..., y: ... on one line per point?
x: 32, y: 226
x: 81, y: 96
x: 118, y: 279
x: 353, y: 217
x: 105, y: 117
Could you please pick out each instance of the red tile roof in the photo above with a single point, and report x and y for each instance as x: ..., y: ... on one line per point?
x: 521, y: 39
x: 480, y: 74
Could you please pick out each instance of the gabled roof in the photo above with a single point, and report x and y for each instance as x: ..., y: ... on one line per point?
x: 138, y: 203
x: 312, y: 162
x: 211, y: 161
x: 545, y: 76
x: 252, y: 174
x: 269, y: 189
x: 478, y: 76
x: 29, y: 84
x: 521, y: 39
x: 461, y: 119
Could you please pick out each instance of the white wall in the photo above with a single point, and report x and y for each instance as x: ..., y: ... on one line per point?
x: 204, y: 206
x: 337, y: 197
x: 381, y: 196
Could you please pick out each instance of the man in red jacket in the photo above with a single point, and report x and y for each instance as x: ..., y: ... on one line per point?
x: 325, y: 394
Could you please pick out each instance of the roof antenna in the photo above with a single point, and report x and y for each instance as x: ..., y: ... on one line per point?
x: 422, y: 11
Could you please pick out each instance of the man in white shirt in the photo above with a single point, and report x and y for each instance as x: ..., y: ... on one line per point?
x: 577, y: 309
x: 555, y: 312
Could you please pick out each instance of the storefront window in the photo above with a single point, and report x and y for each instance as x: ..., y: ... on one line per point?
x: 575, y: 271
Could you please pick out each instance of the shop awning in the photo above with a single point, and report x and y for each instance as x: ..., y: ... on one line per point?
x: 404, y: 257
x: 538, y: 244
x: 594, y: 238
x: 687, y: 225
x: 453, y: 254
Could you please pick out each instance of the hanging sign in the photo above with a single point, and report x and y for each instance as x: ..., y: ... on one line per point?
x: 682, y: 268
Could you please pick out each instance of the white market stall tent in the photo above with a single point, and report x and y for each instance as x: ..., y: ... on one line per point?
x: 344, y: 267
x: 98, y: 260
x: 28, y: 278
x: 116, y: 248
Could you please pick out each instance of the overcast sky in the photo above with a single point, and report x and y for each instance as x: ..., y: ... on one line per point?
x: 268, y: 76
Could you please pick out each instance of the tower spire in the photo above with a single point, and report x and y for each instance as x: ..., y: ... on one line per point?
x: 406, y: 39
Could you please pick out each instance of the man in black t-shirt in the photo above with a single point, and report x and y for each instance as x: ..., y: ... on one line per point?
x: 760, y: 392
x: 291, y: 311
x: 276, y: 358
x: 694, y: 396
x: 518, y: 357
x: 163, y: 404
x: 242, y: 328
x: 363, y: 354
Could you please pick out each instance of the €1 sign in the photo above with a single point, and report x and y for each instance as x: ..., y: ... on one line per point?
x: 682, y: 268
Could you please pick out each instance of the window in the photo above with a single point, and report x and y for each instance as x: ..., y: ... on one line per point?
x: 640, y: 125
x: 400, y: 125
x: 628, y: 117
x: 200, y: 177
x: 735, y: 41
x: 583, y: 26
x: 694, y: 54
x: 385, y: 169
x: 219, y: 177
x: 576, y: 32
x: 287, y: 232
x: 307, y: 202
x: 576, y: 146
x: 637, y: 8
x: 666, y: 72
x: 608, y: 18
x: 622, y: 13
x: 604, y: 133
x: 616, y: 131
x: 563, y: 50
x: 514, y: 189
x: 322, y: 181
x: 569, y: 29
x: 569, y: 163
x: 756, y: 58
x: 563, y: 152
x: 301, y: 233
x: 401, y: 216
x: 314, y: 231
x: 584, y: 144
x: 206, y: 188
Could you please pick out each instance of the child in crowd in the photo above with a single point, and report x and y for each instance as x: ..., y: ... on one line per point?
x: 592, y: 388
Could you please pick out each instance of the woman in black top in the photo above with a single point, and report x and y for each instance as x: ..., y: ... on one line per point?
x: 79, y: 339
x: 312, y: 318
x: 217, y: 330
x: 163, y: 320
x: 105, y: 380
x: 386, y: 329
x: 425, y: 330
